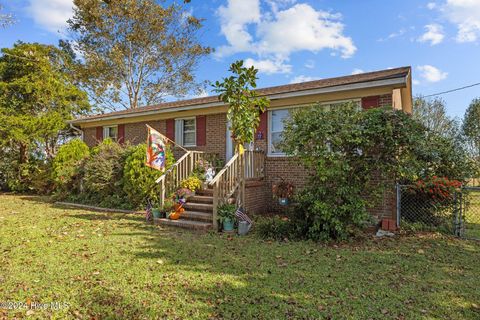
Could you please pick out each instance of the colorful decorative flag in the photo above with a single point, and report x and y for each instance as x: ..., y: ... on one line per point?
x: 155, y: 149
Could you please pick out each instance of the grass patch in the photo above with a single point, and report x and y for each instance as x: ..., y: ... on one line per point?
x: 114, y: 266
x: 472, y: 215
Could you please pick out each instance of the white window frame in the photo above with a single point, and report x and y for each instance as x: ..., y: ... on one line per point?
x: 106, y: 134
x: 180, y: 132
x: 269, y: 119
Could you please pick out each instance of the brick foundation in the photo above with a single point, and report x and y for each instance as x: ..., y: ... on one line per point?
x: 256, y: 197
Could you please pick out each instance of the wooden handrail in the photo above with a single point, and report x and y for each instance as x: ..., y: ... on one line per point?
x: 181, y: 170
x: 220, y: 173
x: 182, y: 158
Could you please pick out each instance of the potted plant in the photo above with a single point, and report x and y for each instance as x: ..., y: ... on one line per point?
x: 226, y: 216
x: 283, y: 191
x: 157, y: 214
x: 192, y: 183
x: 181, y: 195
x: 166, y: 208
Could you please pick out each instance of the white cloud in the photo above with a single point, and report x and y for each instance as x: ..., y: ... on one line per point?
x: 310, y: 64
x: 415, y: 82
x: 269, y: 66
x: 431, y: 73
x: 302, y: 78
x: 393, y: 35
x: 273, y: 35
x: 465, y: 14
x: 357, y: 71
x: 51, y: 15
x: 434, y: 34
x: 234, y: 21
x: 431, y: 5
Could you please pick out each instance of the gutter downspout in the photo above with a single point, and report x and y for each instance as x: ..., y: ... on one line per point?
x: 77, y: 129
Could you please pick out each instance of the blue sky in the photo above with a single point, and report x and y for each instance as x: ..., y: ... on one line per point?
x: 295, y: 40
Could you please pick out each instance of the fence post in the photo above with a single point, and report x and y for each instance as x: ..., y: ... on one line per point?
x: 399, y: 203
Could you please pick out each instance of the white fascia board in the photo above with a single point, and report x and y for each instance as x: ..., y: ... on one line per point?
x: 348, y: 87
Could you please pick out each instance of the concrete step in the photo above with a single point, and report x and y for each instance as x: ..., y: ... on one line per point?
x: 201, y: 199
x: 203, y: 207
x: 186, y: 224
x: 197, y: 216
x: 204, y: 192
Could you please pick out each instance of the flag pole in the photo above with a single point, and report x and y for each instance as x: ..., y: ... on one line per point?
x: 165, y: 137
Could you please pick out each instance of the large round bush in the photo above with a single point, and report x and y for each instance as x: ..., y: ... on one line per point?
x: 67, y: 164
x: 104, y: 169
x: 139, y: 180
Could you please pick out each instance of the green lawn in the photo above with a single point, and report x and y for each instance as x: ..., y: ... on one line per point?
x: 114, y: 266
x: 472, y: 216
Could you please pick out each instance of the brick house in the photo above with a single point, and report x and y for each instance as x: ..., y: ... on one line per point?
x: 200, y: 125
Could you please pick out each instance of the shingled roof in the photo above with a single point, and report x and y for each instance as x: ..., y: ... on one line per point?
x: 309, y: 85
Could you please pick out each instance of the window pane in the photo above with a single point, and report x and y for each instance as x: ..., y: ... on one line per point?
x: 189, y: 125
x: 277, y: 119
x: 189, y: 138
x: 113, y: 132
x: 276, y: 140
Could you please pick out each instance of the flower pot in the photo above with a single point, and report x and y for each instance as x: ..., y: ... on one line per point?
x: 283, y: 201
x: 228, y: 224
x: 156, y: 213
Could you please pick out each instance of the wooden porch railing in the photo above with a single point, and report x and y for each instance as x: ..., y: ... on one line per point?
x: 254, y: 164
x: 170, y: 180
x: 231, y: 179
x: 226, y: 182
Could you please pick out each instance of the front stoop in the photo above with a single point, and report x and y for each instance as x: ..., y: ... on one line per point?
x: 198, y: 214
x: 185, y: 224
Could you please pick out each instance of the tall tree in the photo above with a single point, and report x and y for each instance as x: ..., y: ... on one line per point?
x: 37, y: 96
x: 433, y: 115
x: 471, y: 127
x: 136, y: 52
x: 244, y: 104
x: 443, y: 150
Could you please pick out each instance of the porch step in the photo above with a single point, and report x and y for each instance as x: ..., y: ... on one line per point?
x: 197, y: 216
x: 201, y: 199
x: 203, y: 207
x: 204, y: 192
x: 186, y: 224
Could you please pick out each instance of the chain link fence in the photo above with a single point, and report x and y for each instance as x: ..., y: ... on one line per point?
x: 457, y: 213
x: 469, y: 217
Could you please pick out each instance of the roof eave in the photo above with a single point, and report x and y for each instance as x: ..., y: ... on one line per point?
x: 397, y: 82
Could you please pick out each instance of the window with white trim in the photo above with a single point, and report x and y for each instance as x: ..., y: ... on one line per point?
x: 275, y: 130
x: 186, y: 132
x: 110, y: 132
x: 276, y: 120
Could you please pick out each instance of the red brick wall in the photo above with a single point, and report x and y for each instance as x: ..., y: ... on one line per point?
x: 136, y: 133
x: 255, y: 196
x: 90, y: 136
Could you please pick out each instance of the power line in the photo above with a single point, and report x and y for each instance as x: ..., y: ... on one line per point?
x: 453, y: 90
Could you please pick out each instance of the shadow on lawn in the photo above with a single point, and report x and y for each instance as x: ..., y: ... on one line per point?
x: 249, y: 278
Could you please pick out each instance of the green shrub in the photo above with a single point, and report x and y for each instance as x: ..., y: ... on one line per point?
x: 104, y: 170
x: 138, y: 179
x: 275, y: 228
x: 68, y: 163
x: 353, y: 156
